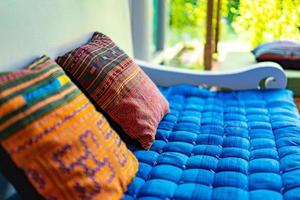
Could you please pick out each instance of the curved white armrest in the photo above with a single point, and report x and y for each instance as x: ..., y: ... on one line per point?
x: 248, y: 78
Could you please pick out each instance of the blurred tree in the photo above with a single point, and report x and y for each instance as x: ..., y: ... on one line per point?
x: 187, y: 18
x: 231, y: 11
x: 264, y: 20
x: 259, y: 20
x: 254, y: 21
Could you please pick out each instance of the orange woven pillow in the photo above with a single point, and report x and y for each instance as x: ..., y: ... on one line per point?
x: 118, y: 86
x: 54, y: 134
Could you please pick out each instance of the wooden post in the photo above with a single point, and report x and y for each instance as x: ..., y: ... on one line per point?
x: 217, y: 33
x: 208, y: 47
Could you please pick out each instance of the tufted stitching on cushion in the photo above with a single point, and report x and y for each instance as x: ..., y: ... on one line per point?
x: 223, y: 146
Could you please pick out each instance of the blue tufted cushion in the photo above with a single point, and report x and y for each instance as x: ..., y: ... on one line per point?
x: 215, y: 145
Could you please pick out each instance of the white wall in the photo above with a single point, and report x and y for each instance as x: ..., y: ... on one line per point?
x: 30, y: 28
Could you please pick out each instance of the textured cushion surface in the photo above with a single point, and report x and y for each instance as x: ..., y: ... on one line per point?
x: 54, y: 134
x: 215, y: 145
x: 118, y: 86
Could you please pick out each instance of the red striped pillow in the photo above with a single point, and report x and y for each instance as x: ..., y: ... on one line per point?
x: 118, y: 86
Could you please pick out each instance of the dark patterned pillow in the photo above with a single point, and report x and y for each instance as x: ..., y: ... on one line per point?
x: 118, y: 86
x: 285, y: 53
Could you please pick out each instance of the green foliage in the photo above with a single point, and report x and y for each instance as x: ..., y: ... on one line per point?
x: 186, y: 17
x: 264, y: 20
x: 258, y: 20
x: 231, y: 11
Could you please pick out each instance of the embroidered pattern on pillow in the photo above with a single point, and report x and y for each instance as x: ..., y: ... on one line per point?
x: 55, y: 135
x: 118, y: 86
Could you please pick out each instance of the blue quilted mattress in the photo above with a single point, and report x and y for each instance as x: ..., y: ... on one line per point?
x: 216, y: 145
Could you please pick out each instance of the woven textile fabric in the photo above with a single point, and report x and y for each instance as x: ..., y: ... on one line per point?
x: 118, y: 86
x: 55, y: 135
x: 214, y: 145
